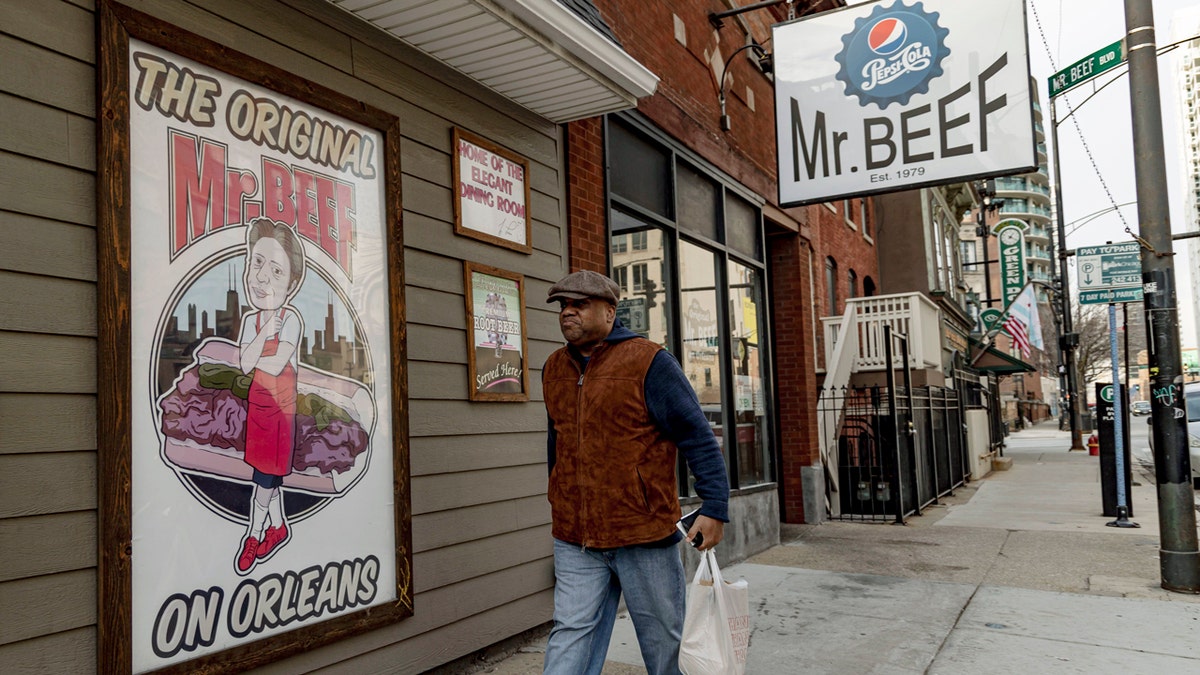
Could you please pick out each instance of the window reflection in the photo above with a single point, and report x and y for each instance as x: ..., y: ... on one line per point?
x: 749, y: 394
x: 638, y: 269
x: 701, y: 351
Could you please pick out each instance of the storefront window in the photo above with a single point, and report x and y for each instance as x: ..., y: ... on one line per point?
x: 645, y: 175
x: 697, y: 202
x: 692, y: 279
x: 701, y: 354
x: 749, y: 395
x: 742, y: 227
x: 639, y: 271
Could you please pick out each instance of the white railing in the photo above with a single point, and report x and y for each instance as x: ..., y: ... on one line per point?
x: 911, y: 314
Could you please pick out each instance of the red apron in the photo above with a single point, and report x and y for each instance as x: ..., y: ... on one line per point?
x: 271, y: 415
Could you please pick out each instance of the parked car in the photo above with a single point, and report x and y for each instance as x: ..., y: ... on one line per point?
x: 1140, y: 408
x: 1191, y: 400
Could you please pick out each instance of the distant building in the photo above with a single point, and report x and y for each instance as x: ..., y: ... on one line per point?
x: 1187, y: 73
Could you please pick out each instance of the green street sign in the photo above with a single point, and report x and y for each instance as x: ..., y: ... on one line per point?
x: 1109, y: 273
x: 1088, y: 67
x: 1114, y: 295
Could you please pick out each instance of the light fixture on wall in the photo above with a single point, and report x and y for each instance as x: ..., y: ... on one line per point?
x: 765, y: 63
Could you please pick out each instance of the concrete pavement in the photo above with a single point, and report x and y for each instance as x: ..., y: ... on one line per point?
x: 1016, y: 573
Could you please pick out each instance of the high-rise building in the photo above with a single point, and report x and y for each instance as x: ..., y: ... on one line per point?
x: 1027, y: 197
x: 1187, y: 74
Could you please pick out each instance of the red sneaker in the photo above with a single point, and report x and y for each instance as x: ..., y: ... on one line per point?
x: 273, y: 538
x: 246, y: 560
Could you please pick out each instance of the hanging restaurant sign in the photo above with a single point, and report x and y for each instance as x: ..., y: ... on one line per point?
x: 890, y: 95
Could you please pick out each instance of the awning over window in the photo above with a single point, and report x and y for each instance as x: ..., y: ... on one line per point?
x: 988, y: 359
x: 537, y: 53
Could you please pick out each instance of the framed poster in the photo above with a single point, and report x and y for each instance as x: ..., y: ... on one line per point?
x: 492, y: 199
x: 497, y: 355
x: 253, y: 427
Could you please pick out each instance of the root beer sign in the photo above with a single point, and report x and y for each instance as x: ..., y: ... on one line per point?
x: 498, y: 366
x: 264, y: 407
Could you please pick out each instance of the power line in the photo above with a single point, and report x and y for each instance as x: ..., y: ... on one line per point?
x: 1071, y: 113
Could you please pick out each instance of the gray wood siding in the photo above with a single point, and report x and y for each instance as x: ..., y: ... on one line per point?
x: 482, y: 561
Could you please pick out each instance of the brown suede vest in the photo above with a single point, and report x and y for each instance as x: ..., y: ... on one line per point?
x: 613, y: 482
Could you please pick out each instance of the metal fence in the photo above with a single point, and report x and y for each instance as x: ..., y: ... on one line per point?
x: 866, y: 452
x: 899, y: 449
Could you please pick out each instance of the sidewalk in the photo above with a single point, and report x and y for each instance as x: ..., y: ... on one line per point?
x: 1016, y: 573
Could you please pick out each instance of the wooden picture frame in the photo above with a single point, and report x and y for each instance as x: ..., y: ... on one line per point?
x: 491, y: 195
x: 497, y: 350
x: 368, y: 389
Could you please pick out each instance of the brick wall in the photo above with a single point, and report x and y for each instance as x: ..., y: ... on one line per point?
x: 791, y: 315
x: 587, y: 245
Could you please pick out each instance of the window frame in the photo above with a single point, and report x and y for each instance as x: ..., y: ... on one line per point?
x: 674, y: 234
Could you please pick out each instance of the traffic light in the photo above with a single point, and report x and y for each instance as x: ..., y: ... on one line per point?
x: 650, y: 287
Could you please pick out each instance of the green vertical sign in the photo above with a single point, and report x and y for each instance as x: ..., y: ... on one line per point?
x: 1010, y: 232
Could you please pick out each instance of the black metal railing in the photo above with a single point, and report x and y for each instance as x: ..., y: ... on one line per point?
x: 885, y: 471
x: 865, y: 452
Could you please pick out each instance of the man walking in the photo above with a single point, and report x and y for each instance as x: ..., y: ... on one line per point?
x: 620, y: 407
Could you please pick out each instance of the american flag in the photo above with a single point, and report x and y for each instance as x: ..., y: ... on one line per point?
x: 1022, y: 322
x: 1020, y: 334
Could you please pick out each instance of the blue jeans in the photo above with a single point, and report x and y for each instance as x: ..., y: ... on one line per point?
x: 587, y: 588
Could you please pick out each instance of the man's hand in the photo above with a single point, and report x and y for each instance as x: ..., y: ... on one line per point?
x: 712, y: 529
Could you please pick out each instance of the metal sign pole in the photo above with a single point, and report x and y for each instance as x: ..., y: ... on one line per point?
x: 1118, y: 424
x: 1069, y: 339
x: 1179, y: 556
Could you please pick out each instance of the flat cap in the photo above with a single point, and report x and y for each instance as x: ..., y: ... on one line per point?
x: 585, y: 284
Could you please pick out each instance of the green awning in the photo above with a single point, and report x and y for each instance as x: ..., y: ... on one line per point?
x: 988, y: 359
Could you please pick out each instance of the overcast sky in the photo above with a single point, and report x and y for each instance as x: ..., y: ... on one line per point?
x: 1073, y: 29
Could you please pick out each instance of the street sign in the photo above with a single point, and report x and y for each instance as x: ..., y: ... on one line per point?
x: 1088, y: 67
x: 1110, y: 273
x: 1117, y: 295
x: 1106, y: 393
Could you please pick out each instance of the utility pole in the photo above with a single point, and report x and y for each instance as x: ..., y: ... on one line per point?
x: 1179, y: 560
x: 1068, y: 340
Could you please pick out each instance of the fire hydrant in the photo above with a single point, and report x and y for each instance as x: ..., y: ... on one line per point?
x: 1093, y: 445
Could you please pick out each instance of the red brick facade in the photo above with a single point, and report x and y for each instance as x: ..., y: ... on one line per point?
x: 686, y: 108
x: 795, y: 391
x: 587, y: 245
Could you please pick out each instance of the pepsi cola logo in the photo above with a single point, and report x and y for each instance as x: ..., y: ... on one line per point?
x: 887, y: 36
x: 892, y: 54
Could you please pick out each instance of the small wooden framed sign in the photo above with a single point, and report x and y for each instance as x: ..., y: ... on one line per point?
x: 492, y: 194
x: 497, y: 353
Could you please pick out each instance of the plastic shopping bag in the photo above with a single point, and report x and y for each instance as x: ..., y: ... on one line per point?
x: 716, y: 627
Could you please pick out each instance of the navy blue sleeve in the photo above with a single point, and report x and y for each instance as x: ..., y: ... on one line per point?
x: 673, y: 406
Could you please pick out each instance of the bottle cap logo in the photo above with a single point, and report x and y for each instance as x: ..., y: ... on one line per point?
x: 892, y: 54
